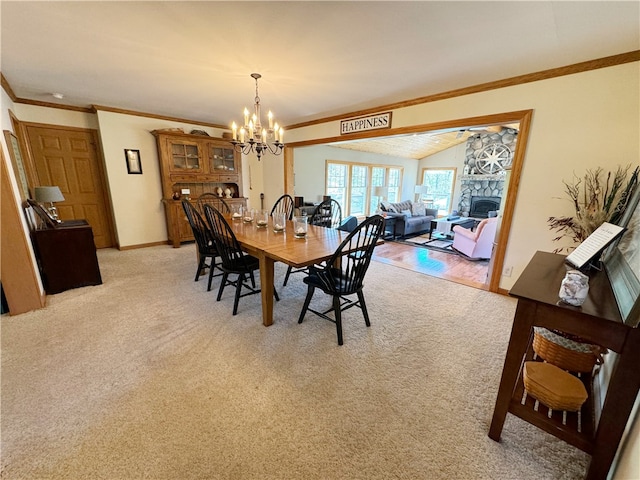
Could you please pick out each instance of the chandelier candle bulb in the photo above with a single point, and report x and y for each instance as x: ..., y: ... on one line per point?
x: 234, y: 127
x: 281, y: 135
x: 264, y: 135
x: 270, y: 115
x: 246, y: 116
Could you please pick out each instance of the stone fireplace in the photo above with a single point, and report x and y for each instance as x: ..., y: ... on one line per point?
x: 478, y: 187
x: 481, y: 192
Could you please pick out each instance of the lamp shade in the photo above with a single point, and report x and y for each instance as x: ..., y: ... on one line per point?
x: 48, y: 194
x: 421, y: 189
x: 380, y: 191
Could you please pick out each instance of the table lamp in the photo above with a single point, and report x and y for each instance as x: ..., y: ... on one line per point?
x: 49, y: 194
x: 420, y: 190
x: 380, y: 192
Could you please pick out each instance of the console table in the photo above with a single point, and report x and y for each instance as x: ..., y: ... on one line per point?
x: 597, y: 320
x: 67, y: 256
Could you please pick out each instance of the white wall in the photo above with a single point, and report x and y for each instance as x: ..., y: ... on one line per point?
x: 309, y: 169
x: 580, y: 121
x: 55, y: 116
x: 135, y: 199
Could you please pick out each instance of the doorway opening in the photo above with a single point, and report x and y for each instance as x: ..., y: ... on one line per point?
x: 513, y: 170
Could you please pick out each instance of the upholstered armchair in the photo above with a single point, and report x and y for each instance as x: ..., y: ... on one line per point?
x: 478, y: 243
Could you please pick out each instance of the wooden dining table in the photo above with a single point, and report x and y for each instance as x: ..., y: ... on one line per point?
x: 269, y: 247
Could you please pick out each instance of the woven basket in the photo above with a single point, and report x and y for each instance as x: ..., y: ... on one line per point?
x: 571, y: 355
x: 553, y: 387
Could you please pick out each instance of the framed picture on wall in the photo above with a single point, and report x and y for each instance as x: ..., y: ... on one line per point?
x: 18, y: 164
x: 134, y: 165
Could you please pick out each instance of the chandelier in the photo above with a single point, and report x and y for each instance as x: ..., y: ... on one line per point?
x: 253, y: 136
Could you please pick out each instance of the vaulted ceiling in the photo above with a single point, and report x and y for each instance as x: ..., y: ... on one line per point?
x: 418, y: 146
x: 192, y: 60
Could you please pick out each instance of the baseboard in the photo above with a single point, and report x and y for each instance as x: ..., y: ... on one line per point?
x: 142, y: 245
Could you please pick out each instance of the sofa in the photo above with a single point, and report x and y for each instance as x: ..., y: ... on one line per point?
x: 411, y: 218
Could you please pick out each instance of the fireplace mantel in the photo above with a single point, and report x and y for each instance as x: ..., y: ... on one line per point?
x: 478, y: 177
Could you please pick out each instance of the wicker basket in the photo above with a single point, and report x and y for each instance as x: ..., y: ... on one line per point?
x: 564, y: 352
x: 553, y: 387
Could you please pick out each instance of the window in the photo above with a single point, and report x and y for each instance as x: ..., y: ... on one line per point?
x: 352, y: 185
x: 440, y: 182
x: 337, y: 182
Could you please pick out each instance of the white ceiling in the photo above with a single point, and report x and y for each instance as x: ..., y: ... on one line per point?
x: 192, y: 60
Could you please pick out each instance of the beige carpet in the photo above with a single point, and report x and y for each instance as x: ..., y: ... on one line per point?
x: 147, y: 376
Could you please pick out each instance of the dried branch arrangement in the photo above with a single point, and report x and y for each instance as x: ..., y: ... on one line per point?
x: 597, y: 197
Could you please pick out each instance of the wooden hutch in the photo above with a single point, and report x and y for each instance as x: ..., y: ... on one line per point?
x: 200, y: 164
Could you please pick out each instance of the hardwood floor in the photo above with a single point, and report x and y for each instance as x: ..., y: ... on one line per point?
x: 437, y: 264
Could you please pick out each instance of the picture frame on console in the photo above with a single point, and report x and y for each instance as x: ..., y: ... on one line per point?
x: 622, y: 263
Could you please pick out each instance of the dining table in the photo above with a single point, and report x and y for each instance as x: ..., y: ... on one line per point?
x: 269, y: 246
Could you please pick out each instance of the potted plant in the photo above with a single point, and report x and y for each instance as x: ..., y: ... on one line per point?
x: 597, y: 197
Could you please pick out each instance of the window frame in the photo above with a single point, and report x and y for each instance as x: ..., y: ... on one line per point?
x: 452, y: 189
x: 345, y: 204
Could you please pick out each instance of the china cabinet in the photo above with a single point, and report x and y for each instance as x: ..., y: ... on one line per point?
x: 191, y: 165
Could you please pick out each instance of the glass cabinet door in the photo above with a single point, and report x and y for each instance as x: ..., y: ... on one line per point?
x: 185, y: 156
x: 222, y: 159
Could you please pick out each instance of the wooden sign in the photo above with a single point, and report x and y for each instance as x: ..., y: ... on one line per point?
x: 362, y: 124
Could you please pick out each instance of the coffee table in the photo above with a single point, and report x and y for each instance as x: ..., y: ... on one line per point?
x: 447, y: 225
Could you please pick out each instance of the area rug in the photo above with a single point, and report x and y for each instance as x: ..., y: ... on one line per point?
x: 439, y: 244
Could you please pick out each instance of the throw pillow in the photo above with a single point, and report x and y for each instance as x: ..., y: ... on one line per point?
x: 418, y: 208
x: 387, y: 207
x: 407, y: 213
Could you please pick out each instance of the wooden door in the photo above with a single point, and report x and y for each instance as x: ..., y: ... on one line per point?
x: 68, y: 157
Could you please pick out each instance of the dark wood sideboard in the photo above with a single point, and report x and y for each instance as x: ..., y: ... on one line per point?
x: 67, y: 256
x: 598, y: 320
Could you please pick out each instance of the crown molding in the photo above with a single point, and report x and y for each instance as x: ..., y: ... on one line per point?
x: 123, y: 111
x: 604, y: 62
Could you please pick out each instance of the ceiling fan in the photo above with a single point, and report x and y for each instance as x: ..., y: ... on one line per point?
x: 487, y: 129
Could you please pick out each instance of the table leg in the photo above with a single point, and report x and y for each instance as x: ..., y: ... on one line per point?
x: 266, y: 286
x: 520, y: 336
